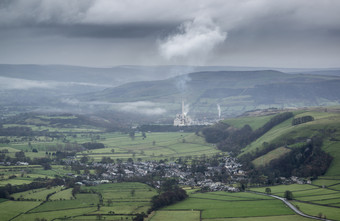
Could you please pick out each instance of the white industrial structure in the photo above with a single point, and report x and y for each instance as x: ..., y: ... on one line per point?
x: 183, y: 119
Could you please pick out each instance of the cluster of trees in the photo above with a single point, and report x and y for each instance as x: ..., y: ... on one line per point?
x: 301, y: 120
x: 6, y: 191
x: 17, y: 131
x: 233, y: 140
x: 171, y: 194
x: 307, y: 161
x: 92, y: 145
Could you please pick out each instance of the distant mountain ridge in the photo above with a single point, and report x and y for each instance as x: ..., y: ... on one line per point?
x: 235, y: 91
x: 160, y: 89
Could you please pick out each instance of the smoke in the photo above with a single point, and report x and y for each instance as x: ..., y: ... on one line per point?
x: 140, y: 107
x: 194, y: 41
x: 186, y: 109
x: 219, y: 111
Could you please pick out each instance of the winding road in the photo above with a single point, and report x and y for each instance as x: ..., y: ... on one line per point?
x: 290, y: 206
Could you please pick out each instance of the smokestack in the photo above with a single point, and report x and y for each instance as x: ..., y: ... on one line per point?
x: 219, y: 111
x: 183, y: 107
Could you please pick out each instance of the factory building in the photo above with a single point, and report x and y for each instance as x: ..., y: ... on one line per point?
x: 183, y: 119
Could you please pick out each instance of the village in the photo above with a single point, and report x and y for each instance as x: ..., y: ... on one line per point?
x: 223, y: 176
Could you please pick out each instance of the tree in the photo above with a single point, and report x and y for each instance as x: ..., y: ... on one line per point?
x: 20, y: 155
x: 132, y: 135
x: 109, y: 202
x: 133, y: 191
x: 143, y: 135
x: 288, y: 195
x: 46, y: 166
x: 268, y: 190
x: 84, y: 159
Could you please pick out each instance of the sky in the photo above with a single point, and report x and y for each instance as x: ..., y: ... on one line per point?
x: 105, y: 33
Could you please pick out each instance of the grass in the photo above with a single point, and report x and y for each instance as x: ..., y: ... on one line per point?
x: 36, y: 194
x: 314, y: 210
x: 280, y: 189
x: 253, y: 122
x: 154, y: 146
x: 55, y: 214
x: 229, y: 205
x: 176, y: 215
x: 268, y: 137
x: 62, y: 195
x: 10, y: 209
x: 82, y: 200
x: 315, y: 199
x: 264, y: 218
x: 14, y: 182
x: 126, y: 198
x: 274, y: 154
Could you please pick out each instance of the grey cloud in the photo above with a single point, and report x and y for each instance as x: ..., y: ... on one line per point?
x: 106, y: 32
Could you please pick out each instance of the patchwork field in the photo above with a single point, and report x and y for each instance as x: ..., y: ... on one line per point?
x: 112, y: 201
x: 310, y: 199
x: 218, y: 205
x: 154, y: 146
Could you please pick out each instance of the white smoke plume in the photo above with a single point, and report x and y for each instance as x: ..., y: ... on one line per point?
x: 219, y: 111
x: 194, y: 42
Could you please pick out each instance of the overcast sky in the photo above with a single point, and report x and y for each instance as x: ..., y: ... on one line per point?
x: 289, y: 33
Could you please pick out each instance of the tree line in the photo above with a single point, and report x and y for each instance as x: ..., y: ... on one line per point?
x: 233, y: 140
x: 307, y: 161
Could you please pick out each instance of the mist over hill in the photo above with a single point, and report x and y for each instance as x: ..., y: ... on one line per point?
x: 156, y: 92
x: 234, y: 91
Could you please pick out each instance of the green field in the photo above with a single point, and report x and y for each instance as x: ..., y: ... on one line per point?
x: 154, y: 146
x: 231, y: 205
x: 62, y: 195
x: 81, y: 201
x: 314, y: 210
x: 265, y: 218
x: 176, y: 215
x: 61, y: 214
x: 10, y: 209
x: 274, y: 154
x: 312, y: 199
x: 36, y: 194
x: 253, y: 122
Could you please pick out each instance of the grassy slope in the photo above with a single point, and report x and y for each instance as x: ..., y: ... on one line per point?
x: 253, y: 122
x: 229, y: 205
x: 284, y: 131
x: 274, y: 154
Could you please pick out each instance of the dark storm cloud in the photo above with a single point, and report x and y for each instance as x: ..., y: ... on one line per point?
x: 96, y: 31
x: 238, y: 27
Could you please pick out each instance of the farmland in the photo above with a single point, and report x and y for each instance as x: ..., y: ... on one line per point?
x: 222, y: 205
x: 116, y: 201
x: 107, y: 200
x: 310, y: 199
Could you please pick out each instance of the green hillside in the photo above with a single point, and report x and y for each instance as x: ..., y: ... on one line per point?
x: 235, y: 91
x: 326, y: 124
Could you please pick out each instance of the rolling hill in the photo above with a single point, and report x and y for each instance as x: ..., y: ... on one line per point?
x: 235, y: 91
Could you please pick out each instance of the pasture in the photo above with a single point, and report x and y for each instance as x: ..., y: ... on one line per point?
x: 310, y: 199
x: 218, y: 205
x: 274, y: 154
x: 155, y: 146
x: 164, y: 215
x: 36, y: 194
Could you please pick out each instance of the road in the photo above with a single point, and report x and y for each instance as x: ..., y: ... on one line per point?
x: 291, y: 206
